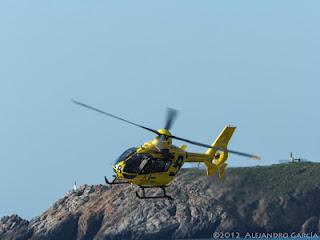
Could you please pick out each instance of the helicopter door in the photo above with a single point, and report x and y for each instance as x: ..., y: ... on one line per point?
x: 154, y: 165
x: 158, y: 166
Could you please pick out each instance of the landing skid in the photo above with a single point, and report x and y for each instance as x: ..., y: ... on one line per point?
x: 153, y: 197
x: 114, y: 181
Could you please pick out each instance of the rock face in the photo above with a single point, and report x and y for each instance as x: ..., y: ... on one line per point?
x: 14, y: 227
x: 280, y: 199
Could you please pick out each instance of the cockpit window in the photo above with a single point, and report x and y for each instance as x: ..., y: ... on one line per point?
x: 136, y: 162
x: 132, y: 164
x: 125, y: 155
x: 145, y: 164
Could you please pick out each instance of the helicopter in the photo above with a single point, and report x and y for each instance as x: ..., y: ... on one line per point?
x: 156, y: 163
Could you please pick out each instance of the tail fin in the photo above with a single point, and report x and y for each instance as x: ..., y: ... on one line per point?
x: 220, y: 157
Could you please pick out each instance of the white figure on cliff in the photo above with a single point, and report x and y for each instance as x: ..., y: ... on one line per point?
x: 75, y: 186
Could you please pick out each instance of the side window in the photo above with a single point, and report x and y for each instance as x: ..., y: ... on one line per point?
x: 132, y: 164
x: 179, y: 162
x: 158, y: 166
x: 154, y: 165
x: 167, y: 165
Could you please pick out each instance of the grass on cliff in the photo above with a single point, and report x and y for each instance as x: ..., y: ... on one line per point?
x: 278, y: 178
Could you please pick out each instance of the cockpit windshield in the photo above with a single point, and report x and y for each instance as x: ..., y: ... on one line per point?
x: 125, y: 155
x: 133, y: 164
x: 145, y: 164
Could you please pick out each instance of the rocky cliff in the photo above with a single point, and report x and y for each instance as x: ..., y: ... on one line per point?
x: 279, y: 198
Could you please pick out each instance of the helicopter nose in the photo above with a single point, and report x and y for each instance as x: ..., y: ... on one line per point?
x: 119, y: 169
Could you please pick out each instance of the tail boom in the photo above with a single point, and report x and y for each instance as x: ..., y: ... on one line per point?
x: 215, y: 160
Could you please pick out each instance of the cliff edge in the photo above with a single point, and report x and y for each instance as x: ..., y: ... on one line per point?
x: 282, y: 198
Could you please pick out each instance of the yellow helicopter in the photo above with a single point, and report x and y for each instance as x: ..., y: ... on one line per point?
x: 156, y: 163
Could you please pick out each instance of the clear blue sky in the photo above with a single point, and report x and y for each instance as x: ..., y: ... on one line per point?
x: 253, y: 64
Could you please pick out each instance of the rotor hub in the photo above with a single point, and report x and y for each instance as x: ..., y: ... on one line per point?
x: 164, y: 132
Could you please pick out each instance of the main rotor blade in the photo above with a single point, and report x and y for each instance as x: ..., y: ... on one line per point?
x: 216, y: 148
x: 114, y: 116
x: 171, y: 117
